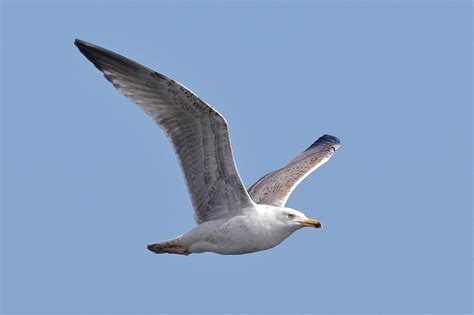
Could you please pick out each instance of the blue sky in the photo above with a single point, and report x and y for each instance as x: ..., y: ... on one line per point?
x: 88, y: 180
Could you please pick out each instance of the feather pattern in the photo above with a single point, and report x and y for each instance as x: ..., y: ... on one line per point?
x: 199, y: 134
x: 276, y: 187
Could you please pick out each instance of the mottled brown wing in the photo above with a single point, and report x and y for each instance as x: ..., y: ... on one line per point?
x: 275, y: 187
x: 199, y: 134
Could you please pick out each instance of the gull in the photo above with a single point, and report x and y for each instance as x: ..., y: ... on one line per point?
x: 231, y: 220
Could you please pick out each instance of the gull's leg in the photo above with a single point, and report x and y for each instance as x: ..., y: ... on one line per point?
x: 169, y: 248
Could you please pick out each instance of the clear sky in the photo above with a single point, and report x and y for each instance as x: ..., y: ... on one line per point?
x: 88, y: 180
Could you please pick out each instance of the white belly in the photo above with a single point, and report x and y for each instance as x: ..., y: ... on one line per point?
x: 233, y: 236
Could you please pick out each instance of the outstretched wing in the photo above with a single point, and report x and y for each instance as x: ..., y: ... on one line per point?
x: 275, y: 187
x: 198, y: 133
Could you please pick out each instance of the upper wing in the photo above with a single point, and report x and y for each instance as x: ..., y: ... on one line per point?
x: 275, y: 187
x: 198, y: 133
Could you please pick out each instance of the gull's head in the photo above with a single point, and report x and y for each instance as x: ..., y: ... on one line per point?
x: 294, y: 219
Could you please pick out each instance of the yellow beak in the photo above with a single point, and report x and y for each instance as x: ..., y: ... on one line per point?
x: 311, y: 223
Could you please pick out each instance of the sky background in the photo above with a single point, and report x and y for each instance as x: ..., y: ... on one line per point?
x: 88, y: 180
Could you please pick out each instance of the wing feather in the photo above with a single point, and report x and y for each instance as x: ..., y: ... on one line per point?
x: 199, y: 134
x: 276, y: 187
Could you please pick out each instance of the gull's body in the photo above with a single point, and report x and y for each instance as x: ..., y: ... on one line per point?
x: 236, y: 234
x: 231, y: 219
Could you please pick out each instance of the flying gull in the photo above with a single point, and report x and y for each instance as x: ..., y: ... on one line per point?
x: 231, y: 219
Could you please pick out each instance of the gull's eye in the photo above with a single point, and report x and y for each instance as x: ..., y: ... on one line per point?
x: 291, y: 216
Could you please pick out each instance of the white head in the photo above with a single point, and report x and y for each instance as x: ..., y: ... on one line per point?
x: 293, y: 220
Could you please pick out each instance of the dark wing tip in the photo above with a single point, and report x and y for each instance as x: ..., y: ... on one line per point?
x: 86, y: 48
x: 103, y: 59
x: 79, y: 42
x: 94, y: 53
x: 326, y: 140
